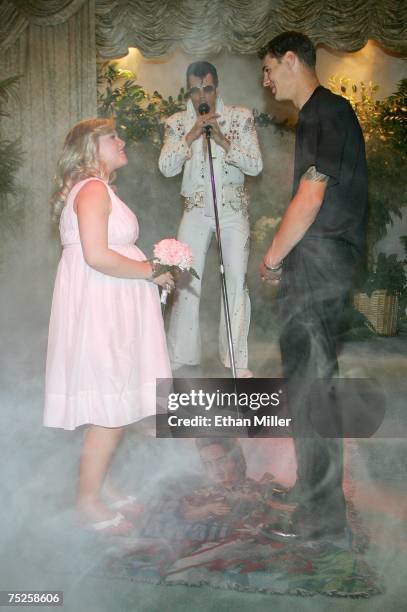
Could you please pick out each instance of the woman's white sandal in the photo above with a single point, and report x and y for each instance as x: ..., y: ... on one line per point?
x: 115, y: 526
x: 128, y: 505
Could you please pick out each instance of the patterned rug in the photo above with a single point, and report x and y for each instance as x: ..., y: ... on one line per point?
x: 248, y: 565
x: 241, y: 552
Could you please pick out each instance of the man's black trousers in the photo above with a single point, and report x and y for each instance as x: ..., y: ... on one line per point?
x: 315, y: 286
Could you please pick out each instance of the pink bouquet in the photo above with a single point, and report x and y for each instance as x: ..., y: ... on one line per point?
x: 170, y: 252
x: 173, y: 256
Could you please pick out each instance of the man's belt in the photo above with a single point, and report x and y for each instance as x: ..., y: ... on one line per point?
x: 235, y: 196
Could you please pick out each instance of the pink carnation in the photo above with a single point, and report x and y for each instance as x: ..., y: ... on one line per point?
x: 171, y: 252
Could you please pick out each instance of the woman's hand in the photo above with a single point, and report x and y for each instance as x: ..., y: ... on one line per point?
x: 166, y: 281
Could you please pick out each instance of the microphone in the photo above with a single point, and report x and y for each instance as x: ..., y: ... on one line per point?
x: 203, y: 109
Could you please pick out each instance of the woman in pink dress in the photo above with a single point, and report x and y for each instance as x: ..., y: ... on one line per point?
x: 106, y: 344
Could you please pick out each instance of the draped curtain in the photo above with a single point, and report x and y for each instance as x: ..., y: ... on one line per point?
x: 57, y: 88
x: 201, y: 27
x: 57, y: 66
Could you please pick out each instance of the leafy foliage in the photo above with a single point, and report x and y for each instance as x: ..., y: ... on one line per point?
x: 388, y: 273
x: 10, y: 152
x: 355, y: 325
x: 265, y: 120
x: 139, y: 115
x: 10, y: 160
x: 384, y: 125
x: 7, y: 91
x: 394, y: 118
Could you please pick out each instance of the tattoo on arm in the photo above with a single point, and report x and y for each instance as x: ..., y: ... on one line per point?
x: 313, y: 175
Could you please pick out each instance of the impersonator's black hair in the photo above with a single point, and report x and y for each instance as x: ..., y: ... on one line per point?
x: 201, y: 69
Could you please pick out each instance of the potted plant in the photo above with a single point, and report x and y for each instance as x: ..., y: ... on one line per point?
x: 386, y: 289
x: 382, y: 280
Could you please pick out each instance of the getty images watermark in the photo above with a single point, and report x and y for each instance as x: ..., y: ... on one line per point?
x: 268, y: 407
x: 220, y: 401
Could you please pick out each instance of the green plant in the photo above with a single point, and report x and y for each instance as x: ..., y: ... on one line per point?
x: 139, y: 115
x: 384, y: 125
x: 11, y: 158
x: 7, y: 90
x: 264, y: 120
x: 10, y: 151
x: 394, y: 118
x: 388, y: 273
x: 403, y: 240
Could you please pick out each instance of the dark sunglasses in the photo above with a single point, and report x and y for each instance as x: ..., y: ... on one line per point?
x: 195, y: 91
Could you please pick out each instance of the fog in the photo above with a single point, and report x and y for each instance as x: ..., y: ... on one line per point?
x: 42, y: 546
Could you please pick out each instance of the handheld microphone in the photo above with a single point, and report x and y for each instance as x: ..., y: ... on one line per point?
x: 203, y: 109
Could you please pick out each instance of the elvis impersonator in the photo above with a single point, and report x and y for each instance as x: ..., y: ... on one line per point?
x: 235, y: 152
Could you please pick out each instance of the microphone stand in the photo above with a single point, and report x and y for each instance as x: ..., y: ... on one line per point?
x: 220, y: 256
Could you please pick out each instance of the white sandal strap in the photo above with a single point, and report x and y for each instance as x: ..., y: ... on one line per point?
x: 114, y: 522
x: 121, y: 503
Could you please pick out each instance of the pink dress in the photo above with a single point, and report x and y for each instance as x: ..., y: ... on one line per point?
x: 106, y: 344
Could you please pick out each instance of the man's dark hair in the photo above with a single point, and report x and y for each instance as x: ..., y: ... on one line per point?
x: 201, y: 69
x: 296, y: 42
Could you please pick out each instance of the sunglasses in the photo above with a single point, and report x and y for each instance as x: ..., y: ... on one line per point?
x: 196, y: 91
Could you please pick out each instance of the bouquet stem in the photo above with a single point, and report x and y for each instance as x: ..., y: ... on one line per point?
x: 163, y: 300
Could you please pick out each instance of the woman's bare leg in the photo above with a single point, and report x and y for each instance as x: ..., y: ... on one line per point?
x: 99, y: 445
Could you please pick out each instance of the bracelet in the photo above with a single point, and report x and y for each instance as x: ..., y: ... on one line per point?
x: 275, y: 268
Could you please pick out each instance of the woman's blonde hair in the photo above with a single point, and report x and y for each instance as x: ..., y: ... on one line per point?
x: 79, y: 159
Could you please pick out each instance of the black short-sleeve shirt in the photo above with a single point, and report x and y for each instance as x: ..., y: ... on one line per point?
x: 329, y: 137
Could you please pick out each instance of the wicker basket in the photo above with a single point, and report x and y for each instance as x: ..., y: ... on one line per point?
x: 380, y: 309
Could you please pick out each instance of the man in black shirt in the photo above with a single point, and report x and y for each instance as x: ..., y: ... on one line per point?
x: 312, y: 256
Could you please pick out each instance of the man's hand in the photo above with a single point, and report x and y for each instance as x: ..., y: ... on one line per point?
x: 269, y: 275
x: 217, y: 135
x: 197, y: 129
